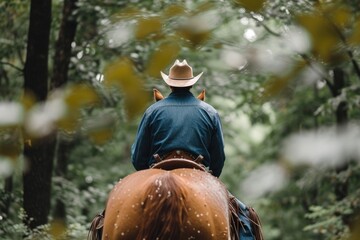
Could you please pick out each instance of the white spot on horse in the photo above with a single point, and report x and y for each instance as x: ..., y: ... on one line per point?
x: 158, y: 182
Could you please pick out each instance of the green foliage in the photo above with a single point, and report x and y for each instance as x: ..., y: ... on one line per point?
x: 262, y: 98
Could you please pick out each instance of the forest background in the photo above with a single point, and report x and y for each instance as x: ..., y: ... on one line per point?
x: 76, y: 76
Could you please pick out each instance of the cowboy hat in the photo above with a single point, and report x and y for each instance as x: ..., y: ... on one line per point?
x: 180, y: 75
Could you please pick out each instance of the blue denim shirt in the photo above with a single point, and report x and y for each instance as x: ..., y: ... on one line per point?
x: 180, y: 122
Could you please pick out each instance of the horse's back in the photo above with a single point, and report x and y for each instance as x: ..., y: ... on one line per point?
x: 189, y: 204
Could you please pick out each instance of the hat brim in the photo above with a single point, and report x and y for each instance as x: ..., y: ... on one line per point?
x: 180, y: 83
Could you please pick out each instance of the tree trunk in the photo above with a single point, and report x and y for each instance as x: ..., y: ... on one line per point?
x: 63, y: 45
x: 339, y: 84
x: 64, y: 147
x: 60, y: 77
x: 38, y: 153
x: 341, y: 187
x: 8, y: 188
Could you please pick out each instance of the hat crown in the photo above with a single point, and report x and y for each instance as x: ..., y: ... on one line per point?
x: 180, y: 75
x: 181, y: 70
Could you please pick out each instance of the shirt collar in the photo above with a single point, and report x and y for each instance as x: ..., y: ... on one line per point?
x: 181, y: 93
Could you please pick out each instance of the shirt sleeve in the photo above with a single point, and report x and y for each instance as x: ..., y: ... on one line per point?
x: 140, y: 150
x: 217, y: 153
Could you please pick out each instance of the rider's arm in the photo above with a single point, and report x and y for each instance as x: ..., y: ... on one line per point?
x: 140, y: 150
x: 217, y: 153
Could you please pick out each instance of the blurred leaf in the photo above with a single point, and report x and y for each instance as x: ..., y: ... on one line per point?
x: 129, y: 12
x: 340, y: 16
x: 324, y: 38
x: 173, y: 10
x: 195, y: 38
x: 165, y: 54
x: 122, y: 75
x: 148, y: 27
x: 57, y: 228
x: 28, y: 100
x: 81, y: 95
x: 77, y: 97
x: 100, y: 128
x: 277, y: 83
x: 203, y: 7
x: 101, y: 136
x: 70, y: 123
x: 355, y: 36
x: 11, y: 143
x: 251, y: 5
x: 355, y: 234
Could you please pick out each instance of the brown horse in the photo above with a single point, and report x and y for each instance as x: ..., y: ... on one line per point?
x: 158, y: 204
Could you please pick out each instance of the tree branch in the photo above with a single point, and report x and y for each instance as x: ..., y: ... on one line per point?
x: 12, y: 65
x: 325, y: 78
x: 343, y: 40
x: 267, y: 28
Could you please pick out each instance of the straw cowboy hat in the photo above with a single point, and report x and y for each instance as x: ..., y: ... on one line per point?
x: 180, y: 75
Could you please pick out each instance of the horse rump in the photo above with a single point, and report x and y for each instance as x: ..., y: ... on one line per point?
x: 164, y: 209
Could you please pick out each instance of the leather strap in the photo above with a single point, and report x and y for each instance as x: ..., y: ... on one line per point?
x: 178, y: 154
x: 174, y: 163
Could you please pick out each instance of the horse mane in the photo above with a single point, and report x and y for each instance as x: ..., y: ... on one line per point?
x: 165, y: 203
x: 255, y: 224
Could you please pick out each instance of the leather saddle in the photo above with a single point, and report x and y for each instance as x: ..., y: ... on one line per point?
x: 178, y: 159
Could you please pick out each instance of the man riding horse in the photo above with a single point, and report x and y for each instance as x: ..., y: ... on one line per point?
x: 182, y: 126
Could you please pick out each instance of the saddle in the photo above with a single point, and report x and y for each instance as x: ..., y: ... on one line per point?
x: 178, y: 159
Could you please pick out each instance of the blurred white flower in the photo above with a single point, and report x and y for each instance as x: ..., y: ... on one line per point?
x: 119, y: 34
x: 266, y: 58
x: 233, y: 59
x: 6, y: 167
x: 244, y: 21
x: 297, y: 40
x: 312, y: 75
x: 275, y: 54
x: 41, y: 119
x: 326, y: 147
x: 11, y: 113
x: 250, y: 35
x: 202, y: 22
x: 265, y: 179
